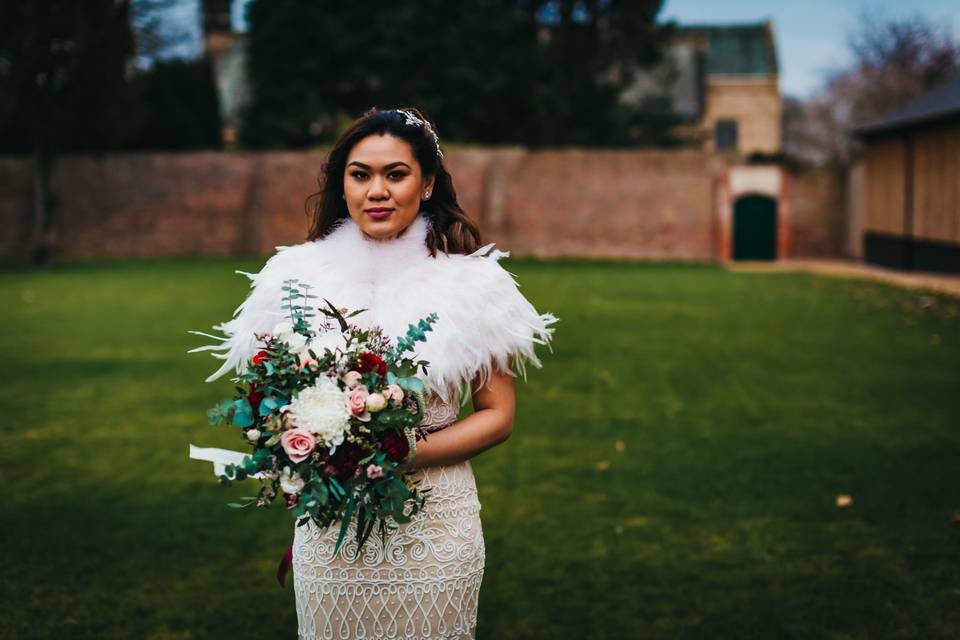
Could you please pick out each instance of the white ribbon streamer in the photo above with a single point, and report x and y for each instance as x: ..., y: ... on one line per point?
x: 220, y: 458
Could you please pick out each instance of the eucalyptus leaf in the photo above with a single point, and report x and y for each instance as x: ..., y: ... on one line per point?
x: 243, y: 413
x: 412, y: 384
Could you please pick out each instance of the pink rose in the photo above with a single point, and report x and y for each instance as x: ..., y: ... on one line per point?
x: 393, y: 392
x: 373, y: 471
x: 298, y: 443
x: 352, y: 379
x: 357, y: 400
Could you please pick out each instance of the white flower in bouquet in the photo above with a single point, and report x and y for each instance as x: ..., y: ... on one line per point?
x: 322, y: 410
x: 352, y: 379
x: 331, y: 339
x: 376, y: 402
x: 284, y: 331
x: 291, y: 482
x: 393, y: 392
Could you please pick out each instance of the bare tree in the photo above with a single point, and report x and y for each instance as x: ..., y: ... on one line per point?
x: 894, y: 61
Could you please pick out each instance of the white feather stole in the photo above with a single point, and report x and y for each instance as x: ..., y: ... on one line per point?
x: 483, y: 321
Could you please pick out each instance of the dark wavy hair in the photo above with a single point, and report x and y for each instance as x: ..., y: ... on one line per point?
x: 451, y: 230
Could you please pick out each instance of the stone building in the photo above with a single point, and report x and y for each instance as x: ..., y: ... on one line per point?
x: 723, y: 81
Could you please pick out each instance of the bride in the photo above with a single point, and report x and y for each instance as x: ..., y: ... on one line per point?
x: 389, y: 237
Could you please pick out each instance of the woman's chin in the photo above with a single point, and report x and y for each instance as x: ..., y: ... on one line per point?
x: 383, y: 228
x: 380, y: 229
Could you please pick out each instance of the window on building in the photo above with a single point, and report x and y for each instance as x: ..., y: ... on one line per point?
x: 726, y: 134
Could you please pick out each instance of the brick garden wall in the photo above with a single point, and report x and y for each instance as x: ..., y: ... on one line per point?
x: 819, y: 212
x: 549, y: 203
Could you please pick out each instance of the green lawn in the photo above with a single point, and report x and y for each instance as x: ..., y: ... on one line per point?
x: 745, y: 404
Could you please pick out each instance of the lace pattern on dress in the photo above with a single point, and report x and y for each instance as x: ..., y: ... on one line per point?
x: 423, y: 583
x: 437, y: 414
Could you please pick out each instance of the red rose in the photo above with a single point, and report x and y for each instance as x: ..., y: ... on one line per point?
x: 254, y: 398
x: 260, y: 357
x: 395, y: 445
x: 372, y: 362
x: 346, y: 458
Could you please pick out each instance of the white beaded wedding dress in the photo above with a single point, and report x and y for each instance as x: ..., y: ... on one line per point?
x: 424, y: 582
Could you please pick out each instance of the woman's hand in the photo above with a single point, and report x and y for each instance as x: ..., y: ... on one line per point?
x: 490, y: 424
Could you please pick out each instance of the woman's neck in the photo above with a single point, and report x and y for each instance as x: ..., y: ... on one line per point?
x: 383, y: 255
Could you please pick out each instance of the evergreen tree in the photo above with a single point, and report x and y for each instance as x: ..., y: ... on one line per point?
x: 179, y: 107
x: 63, y: 86
x: 489, y: 71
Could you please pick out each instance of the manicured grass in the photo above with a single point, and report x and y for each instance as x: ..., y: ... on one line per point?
x: 743, y: 405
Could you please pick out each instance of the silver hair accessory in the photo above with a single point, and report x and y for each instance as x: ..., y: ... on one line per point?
x: 412, y: 119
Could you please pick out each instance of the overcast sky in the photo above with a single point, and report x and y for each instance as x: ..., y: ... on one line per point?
x: 811, y: 35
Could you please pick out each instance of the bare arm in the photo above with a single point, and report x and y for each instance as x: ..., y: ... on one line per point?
x: 490, y: 424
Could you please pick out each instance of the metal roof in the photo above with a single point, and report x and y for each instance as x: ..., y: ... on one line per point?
x: 940, y: 103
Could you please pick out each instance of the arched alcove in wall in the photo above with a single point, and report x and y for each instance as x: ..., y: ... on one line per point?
x: 755, y: 228
x: 753, y: 213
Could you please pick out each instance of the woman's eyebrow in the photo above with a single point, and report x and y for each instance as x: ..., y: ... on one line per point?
x: 389, y: 166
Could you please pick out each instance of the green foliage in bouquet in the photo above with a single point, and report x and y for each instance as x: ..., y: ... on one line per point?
x: 326, y: 475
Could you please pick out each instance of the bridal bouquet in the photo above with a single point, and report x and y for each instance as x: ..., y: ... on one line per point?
x: 332, y: 417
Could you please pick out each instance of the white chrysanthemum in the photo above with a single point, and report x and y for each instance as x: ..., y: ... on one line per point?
x: 322, y: 409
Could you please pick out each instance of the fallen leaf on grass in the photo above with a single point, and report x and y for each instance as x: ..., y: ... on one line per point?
x: 603, y: 465
x: 844, y: 500
x: 620, y: 446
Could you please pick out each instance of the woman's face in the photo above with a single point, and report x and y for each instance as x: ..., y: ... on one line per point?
x: 383, y: 185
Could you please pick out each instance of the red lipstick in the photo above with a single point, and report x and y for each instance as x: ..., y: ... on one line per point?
x: 379, y: 213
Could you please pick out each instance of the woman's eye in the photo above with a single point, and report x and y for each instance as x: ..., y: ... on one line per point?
x: 398, y: 175
x: 358, y: 175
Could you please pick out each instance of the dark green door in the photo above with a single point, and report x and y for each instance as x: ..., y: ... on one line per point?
x: 755, y: 228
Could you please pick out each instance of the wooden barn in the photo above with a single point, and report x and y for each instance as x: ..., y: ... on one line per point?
x: 912, y: 184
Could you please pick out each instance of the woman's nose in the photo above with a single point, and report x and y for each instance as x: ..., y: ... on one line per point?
x: 378, y: 188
